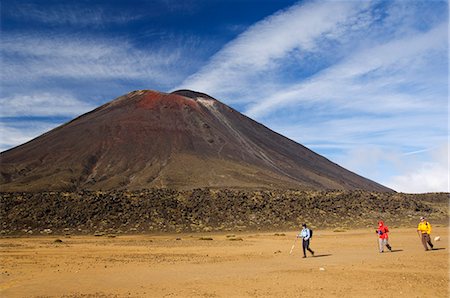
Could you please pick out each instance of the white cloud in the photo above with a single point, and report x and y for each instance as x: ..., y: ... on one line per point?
x: 357, y: 131
x: 387, y: 66
x: 394, y: 151
x: 424, y: 176
x: 14, y: 134
x: 37, y: 57
x: 420, y: 171
x: 43, y: 104
x: 14, y: 130
x: 259, y: 48
x: 64, y: 14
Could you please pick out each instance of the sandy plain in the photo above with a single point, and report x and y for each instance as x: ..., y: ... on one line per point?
x: 347, y: 264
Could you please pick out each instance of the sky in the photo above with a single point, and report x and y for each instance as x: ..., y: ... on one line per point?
x: 363, y: 83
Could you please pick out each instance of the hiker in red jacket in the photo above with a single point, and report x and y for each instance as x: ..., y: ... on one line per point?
x: 383, y: 238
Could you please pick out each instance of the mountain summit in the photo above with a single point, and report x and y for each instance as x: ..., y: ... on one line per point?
x: 180, y: 140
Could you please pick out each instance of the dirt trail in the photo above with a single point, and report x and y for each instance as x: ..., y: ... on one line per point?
x: 347, y: 264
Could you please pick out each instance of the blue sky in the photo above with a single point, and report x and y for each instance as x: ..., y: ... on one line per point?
x: 364, y: 83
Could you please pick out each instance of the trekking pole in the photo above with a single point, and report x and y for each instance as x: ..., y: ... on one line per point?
x: 293, y: 245
x: 380, y: 246
x: 376, y: 237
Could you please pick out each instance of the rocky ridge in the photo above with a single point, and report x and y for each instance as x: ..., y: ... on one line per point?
x: 205, y: 210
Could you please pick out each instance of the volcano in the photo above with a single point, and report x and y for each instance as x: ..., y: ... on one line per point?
x: 181, y: 140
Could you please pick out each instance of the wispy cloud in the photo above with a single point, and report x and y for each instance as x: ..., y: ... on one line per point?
x: 43, y: 105
x: 76, y: 57
x: 406, y: 131
x: 263, y: 45
x: 424, y: 171
x: 375, y: 75
x: 15, y: 133
x: 71, y: 14
x: 430, y: 175
x: 25, y: 116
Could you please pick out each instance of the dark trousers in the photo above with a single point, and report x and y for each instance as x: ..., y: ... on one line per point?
x: 306, y: 247
x: 426, y: 240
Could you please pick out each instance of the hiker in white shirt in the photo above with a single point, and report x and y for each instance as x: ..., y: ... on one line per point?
x: 305, y: 234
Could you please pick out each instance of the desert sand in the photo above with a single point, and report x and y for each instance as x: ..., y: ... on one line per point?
x: 347, y: 264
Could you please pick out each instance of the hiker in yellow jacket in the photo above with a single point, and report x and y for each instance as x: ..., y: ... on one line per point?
x: 424, y: 231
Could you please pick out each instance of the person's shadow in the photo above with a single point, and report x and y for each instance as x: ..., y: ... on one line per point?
x: 396, y: 250
x: 438, y: 248
x: 323, y: 255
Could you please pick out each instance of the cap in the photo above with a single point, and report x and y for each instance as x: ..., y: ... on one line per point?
x: 422, y: 217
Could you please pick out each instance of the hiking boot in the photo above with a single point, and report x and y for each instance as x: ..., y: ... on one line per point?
x: 312, y: 252
x: 303, y: 257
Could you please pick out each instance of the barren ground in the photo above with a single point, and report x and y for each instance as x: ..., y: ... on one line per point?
x: 347, y: 264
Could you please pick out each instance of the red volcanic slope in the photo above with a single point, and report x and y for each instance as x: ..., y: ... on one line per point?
x: 180, y: 140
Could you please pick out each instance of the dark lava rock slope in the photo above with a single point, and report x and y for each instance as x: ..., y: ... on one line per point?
x: 204, y: 210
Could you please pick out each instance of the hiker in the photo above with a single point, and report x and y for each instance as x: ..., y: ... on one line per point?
x: 383, y: 237
x: 424, y: 231
x: 305, y: 234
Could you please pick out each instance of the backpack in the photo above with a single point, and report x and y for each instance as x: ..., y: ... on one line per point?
x: 310, y: 233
